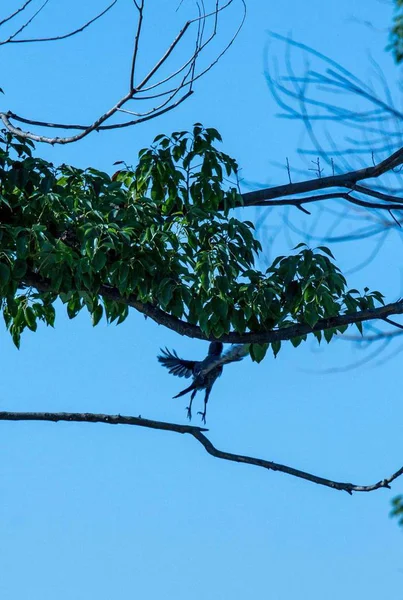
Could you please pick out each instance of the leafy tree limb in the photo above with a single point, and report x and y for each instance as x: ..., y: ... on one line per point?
x: 160, y: 238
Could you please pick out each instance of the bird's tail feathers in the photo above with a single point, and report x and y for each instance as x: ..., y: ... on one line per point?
x: 185, y: 391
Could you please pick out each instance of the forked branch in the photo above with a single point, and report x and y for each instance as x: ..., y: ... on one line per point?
x: 163, y: 92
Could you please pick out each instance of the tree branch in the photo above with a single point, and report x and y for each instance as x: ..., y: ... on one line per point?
x: 183, y: 77
x: 257, y: 337
x: 15, y: 13
x: 64, y: 36
x: 348, y: 180
x: 197, y: 433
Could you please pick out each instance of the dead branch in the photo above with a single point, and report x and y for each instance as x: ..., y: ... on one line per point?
x: 198, y: 434
x: 15, y: 13
x: 151, y: 87
x: 11, y: 39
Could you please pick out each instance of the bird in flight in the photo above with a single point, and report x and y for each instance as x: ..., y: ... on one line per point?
x: 204, y: 372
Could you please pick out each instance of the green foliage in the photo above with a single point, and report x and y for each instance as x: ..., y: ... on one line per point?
x: 396, y: 33
x: 397, y: 509
x: 159, y: 233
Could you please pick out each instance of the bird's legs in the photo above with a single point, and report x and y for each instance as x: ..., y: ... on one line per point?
x: 189, y: 408
x: 206, y: 397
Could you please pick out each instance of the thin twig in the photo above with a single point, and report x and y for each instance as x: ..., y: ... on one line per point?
x: 10, y: 39
x: 140, y: 8
x: 15, y: 13
x: 57, y: 38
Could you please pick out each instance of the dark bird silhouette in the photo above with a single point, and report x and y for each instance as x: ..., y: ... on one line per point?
x: 203, y: 376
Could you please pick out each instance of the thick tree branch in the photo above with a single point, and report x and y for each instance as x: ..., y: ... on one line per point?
x: 197, y: 433
x: 267, y: 197
x: 258, y: 337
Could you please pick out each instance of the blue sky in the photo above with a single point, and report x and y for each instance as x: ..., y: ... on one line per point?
x: 93, y: 511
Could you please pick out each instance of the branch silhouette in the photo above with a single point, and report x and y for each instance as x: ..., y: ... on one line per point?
x: 198, y: 434
x: 280, y: 195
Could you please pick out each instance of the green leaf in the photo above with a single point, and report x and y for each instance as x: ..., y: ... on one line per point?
x: 258, y: 352
x: 97, y: 315
x: 166, y: 291
x: 30, y: 318
x: 50, y: 314
x: 311, y: 314
x: 19, y: 269
x: 318, y: 335
x: 99, y: 261
x: 238, y: 321
x: 296, y: 341
x: 325, y: 250
x: 220, y: 307
x: 16, y: 336
x: 328, y: 334
x: 276, y: 346
x: 22, y: 246
x: 4, y: 274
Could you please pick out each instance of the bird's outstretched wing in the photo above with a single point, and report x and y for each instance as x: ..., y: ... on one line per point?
x: 177, y: 366
x: 236, y: 353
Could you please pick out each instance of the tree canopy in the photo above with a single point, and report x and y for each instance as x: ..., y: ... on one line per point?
x: 159, y: 237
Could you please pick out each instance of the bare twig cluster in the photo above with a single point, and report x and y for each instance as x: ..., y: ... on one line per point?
x: 163, y: 92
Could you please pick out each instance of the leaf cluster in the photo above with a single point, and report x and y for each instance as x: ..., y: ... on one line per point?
x: 162, y: 233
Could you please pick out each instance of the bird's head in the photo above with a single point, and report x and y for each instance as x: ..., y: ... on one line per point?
x: 215, y: 348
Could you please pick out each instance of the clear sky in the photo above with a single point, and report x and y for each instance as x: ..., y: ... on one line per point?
x: 94, y: 511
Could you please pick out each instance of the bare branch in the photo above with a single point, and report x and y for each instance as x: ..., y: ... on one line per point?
x: 10, y: 39
x: 93, y: 127
x: 15, y: 13
x: 391, y: 322
x: 140, y: 8
x: 55, y: 38
x: 197, y: 433
x: 184, y: 77
x: 348, y: 180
